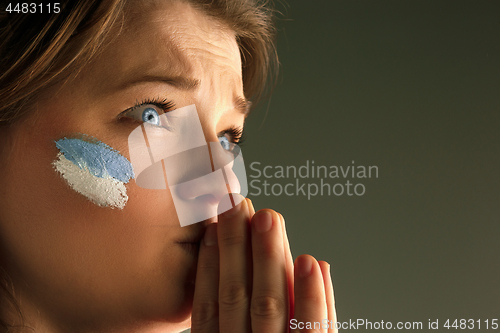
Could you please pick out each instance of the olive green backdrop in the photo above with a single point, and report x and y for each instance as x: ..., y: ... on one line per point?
x: 413, y: 88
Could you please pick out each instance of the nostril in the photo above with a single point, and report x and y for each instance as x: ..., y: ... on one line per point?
x: 208, y: 199
x: 204, y: 187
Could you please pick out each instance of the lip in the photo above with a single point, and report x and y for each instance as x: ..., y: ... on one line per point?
x: 194, y: 234
x: 195, y: 239
x: 190, y: 241
x: 191, y: 248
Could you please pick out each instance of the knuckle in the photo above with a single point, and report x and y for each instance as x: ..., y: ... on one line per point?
x: 230, y: 240
x: 207, y: 266
x: 269, y: 251
x: 232, y: 294
x: 204, y: 313
x: 267, y: 307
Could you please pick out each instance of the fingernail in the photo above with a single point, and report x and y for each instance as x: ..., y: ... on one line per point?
x: 210, y: 238
x: 323, y: 265
x: 251, y: 209
x: 263, y: 222
x: 305, y: 266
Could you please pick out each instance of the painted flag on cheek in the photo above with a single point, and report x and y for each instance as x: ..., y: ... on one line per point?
x: 94, y: 169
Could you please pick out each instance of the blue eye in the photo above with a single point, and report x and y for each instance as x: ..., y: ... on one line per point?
x: 225, y: 143
x: 150, y: 115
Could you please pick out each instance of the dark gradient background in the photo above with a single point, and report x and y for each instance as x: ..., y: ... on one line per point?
x: 413, y: 88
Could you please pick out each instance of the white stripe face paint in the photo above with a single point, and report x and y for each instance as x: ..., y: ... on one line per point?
x: 94, y: 170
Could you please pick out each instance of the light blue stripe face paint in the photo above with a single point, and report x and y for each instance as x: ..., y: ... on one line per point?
x: 98, y: 158
x: 94, y: 170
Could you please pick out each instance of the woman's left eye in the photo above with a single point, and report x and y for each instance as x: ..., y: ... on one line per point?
x: 231, y: 137
x: 224, y: 142
x: 151, y: 116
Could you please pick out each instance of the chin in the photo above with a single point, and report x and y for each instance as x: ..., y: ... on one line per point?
x: 171, y: 301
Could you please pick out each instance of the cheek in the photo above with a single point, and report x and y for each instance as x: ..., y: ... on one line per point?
x: 51, y: 233
x: 95, y: 170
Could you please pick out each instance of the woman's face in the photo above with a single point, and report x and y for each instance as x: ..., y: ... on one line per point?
x: 87, y: 265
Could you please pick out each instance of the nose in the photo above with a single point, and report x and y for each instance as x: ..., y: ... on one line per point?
x: 198, y: 173
x: 207, y: 186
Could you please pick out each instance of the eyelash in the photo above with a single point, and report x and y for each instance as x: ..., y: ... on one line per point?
x: 236, y: 134
x: 164, y: 104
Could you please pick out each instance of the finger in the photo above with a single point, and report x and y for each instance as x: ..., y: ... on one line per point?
x: 310, y: 300
x: 289, y: 270
x: 205, y: 317
x: 330, y: 299
x: 251, y: 209
x: 235, y: 269
x: 268, y: 308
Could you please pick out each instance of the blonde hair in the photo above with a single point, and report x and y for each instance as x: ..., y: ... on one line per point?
x: 40, y: 50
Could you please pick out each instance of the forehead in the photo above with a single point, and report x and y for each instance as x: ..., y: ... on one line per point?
x: 168, y: 37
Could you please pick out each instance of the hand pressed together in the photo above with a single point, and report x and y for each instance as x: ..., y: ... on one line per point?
x: 247, y: 282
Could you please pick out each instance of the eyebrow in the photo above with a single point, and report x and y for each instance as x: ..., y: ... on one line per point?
x: 180, y: 82
x: 241, y: 104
